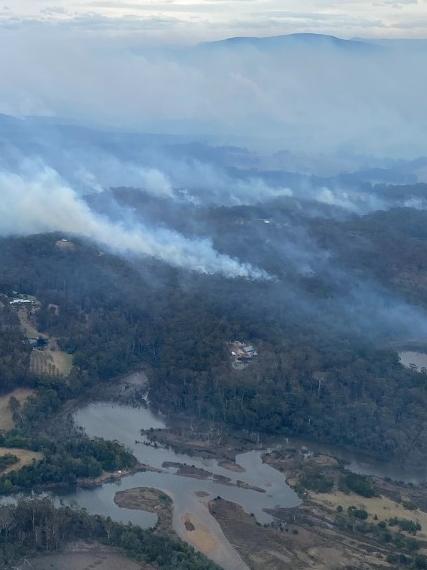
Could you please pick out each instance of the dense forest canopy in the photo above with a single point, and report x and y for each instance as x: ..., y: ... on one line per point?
x: 342, y: 289
x: 226, y: 242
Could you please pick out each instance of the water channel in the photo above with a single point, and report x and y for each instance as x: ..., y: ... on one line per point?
x: 190, y: 495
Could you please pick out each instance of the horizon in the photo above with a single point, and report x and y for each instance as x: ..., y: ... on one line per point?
x: 198, y: 20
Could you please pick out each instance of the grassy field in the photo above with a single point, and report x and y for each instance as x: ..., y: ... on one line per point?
x: 383, y: 507
x: 51, y: 362
x: 6, y: 419
x: 24, y: 456
x: 27, y: 324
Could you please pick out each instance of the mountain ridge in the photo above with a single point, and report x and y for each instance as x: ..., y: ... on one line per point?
x: 288, y: 40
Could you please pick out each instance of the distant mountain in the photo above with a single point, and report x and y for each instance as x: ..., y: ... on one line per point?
x: 293, y: 40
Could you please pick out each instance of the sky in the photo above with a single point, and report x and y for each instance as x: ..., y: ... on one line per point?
x: 121, y: 64
x: 190, y: 20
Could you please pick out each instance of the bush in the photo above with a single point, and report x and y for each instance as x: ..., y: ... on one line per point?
x: 358, y: 484
x: 7, y: 460
x: 358, y: 513
x: 404, y: 524
x: 420, y: 562
x: 317, y: 482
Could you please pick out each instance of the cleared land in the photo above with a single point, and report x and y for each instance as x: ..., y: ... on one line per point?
x: 25, y: 457
x: 51, y: 362
x: 316, y: 534
x: 84, y: 557
x: 48, y: 362
x: 27, y: 324
x: 303, y: 543
x: 6, y: 418
x: 383, y: 508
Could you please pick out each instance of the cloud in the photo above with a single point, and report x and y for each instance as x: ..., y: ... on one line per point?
x: 216, y: 18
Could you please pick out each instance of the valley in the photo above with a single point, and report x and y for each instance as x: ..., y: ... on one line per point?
x: 186, y: 488
x: 213, y: 285
x: 239, y: 430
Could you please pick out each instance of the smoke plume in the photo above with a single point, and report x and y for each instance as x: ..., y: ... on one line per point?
x: 40, y: 201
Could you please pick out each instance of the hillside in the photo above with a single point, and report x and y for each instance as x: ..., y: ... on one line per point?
x: 323, y: 370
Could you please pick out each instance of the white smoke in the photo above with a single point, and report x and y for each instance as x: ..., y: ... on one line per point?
x: 211, y: 183
x: 358, y: 202
x: 40, y: 201
x: 99, y: 171
x: 278, y: 98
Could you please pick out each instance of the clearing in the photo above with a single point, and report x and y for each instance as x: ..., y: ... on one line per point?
x: 49, y: 361
x: 383, y: 507
x: 305, y: 543
x: 25, y: 457
x: 84, y: 556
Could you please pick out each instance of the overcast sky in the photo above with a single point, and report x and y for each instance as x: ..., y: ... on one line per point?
x: 200, y: 19
x: 94, y: 62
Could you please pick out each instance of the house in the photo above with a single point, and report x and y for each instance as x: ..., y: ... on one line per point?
x: 40, y: 342
x: 241, y: 353
x: 65, y: 245
x: 249, y: 351
x: 22, y: 301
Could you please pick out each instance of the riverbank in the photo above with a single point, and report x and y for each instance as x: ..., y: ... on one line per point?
x: 115, y: 476
x: 344, y: 520
x: 207, y: 471
x: 152, y: 501
x: 189, y: 480
x: 196, y: 531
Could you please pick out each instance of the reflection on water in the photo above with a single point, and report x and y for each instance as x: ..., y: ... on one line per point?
x: 190, y: 495
x: 395, y: 471
x: 365, y: 464
x: 123, y: 423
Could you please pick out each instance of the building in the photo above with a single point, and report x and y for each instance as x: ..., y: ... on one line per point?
x: 242, y: 353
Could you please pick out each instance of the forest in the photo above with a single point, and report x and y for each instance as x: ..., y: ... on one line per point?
x: 321, y: 373
x: 14, y: 351
x: 34, y: 526
x: 65, y: 461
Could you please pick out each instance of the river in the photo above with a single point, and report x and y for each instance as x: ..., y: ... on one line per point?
x: 190, y: 495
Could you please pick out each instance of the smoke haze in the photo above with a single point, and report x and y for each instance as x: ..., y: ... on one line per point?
x: 307, y: 94
x: 43, y: 203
